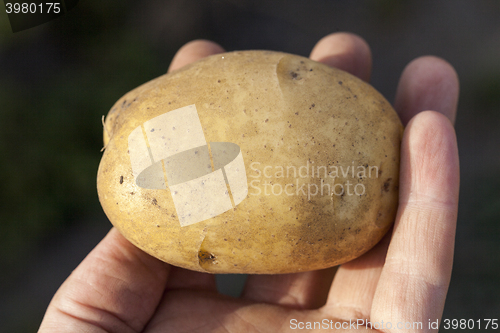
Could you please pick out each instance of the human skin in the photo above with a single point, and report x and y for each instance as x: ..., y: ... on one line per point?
x: 405, y: 278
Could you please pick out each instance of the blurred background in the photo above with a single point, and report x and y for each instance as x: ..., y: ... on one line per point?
x: 58, y: 79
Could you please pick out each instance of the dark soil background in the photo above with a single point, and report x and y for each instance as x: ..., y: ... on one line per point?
x: 59, y: 78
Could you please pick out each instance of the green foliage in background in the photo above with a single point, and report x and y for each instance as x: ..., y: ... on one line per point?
x: 50, y: 119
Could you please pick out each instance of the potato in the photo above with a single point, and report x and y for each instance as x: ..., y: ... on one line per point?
x: 252, y: 162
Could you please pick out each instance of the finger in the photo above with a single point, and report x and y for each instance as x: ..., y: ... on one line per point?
x: 427, y: 83
x: 116, y: 288
x: 352, y: 291
x: 192, y: 51
x: 416, y: 274
x: 307, y: 290
x: 345, y: 51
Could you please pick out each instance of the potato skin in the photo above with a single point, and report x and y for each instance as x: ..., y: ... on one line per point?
x: 284, y: 112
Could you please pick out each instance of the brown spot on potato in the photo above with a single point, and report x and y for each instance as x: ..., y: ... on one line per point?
x: 204, y: 257
x: 386, y: 185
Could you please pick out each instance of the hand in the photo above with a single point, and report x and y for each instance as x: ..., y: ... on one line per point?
x: 404, y: 279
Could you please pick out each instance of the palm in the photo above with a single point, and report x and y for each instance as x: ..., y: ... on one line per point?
x: 268, y: 304
x: 119, y: 288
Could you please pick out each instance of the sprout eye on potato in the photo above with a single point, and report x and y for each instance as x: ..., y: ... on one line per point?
x: 252, y: 162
